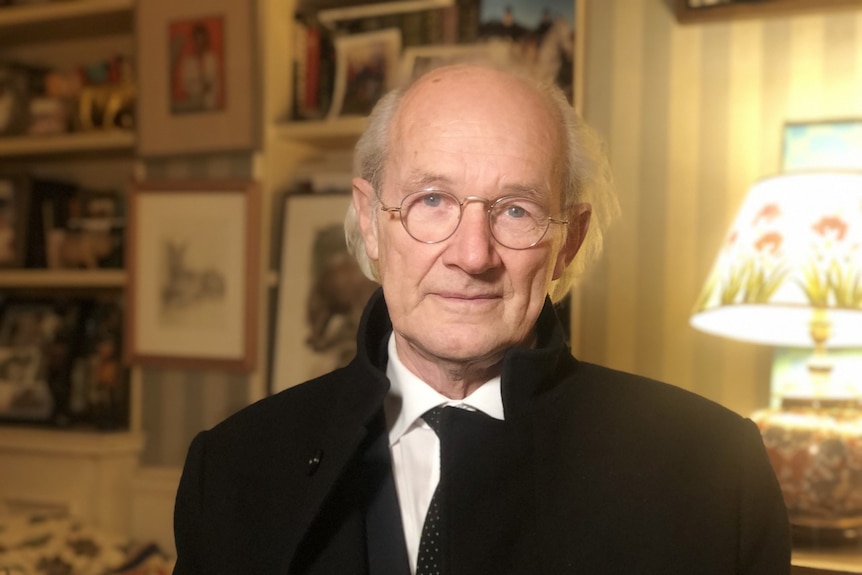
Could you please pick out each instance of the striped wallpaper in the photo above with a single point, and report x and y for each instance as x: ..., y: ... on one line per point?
x: 693, y: 115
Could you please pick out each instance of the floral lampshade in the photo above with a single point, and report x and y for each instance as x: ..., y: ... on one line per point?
x: 791, y: 261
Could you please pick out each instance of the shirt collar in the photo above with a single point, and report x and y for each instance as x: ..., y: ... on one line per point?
x: 409, y: 397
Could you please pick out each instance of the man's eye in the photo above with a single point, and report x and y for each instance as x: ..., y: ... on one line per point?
x: 432, y: 200
x: 515, y: 211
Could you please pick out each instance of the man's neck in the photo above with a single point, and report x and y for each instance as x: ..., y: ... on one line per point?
x: 451, y: 378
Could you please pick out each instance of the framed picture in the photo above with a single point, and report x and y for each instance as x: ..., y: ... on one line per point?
x: 822, y: 145
x: 196, y: 58
x: 193, y: 267
x: 416, y: 60
x: 24, y: 394
x: 548, y: 37
x: 716, y: 10
x: 321, y: 294
x: 366, y: 66
x: 14, y: 216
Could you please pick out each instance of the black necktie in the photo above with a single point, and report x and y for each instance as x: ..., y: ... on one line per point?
x: 428, y: 562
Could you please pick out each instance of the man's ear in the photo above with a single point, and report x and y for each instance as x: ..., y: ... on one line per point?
x: 576, y: 231
x: 363, y: 200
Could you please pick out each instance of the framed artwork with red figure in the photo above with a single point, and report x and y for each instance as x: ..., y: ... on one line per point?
x: 196, y: 59
x: 197, y: 65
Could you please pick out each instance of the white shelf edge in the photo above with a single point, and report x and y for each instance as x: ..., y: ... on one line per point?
x: 66, y: 143
x: 11, y: 16
x: 69, y: 442
x: 10, y: 278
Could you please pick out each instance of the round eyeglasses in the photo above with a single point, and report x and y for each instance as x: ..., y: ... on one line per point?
x: 431, y: 216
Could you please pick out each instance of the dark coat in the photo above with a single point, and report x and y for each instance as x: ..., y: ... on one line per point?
x: 610, y: 474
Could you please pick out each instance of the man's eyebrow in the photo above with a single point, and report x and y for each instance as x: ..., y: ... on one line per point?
x: 528, y: 191
x: 426, y: 180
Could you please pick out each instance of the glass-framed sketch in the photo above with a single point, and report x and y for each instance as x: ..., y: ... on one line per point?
x: 192, y: 289
x: 321, y: 294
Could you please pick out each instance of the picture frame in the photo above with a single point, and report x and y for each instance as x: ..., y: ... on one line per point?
x: 692, y: 11
x: 15, y: 201
x: 832, y: 144
x: 415, y: 60
x: 366, y: 67
x: 547, y: 37
x: 193, y: 274
x: 197, y: 60
x: 322, y: 291
x: 24, y: 393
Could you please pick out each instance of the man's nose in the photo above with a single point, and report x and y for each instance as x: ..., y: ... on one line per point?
x: 472, y: 247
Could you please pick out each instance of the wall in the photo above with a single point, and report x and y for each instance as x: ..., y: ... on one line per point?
x: 692, y: 115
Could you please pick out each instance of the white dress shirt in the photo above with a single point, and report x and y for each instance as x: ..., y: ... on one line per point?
x: 415, y: 447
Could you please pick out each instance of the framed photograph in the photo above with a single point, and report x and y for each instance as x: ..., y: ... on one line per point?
x: 193, y: 270
x: 26, y: 323
x: 822, y: 145
x: 197, y: 65
x: 94, y: 237
x: 366, y: 66
x: 546, y: 36
x: 24, y: 394
x: 196, y: 57
x: 321, y: 294
x: 416, y: 60
x: 14, y: 217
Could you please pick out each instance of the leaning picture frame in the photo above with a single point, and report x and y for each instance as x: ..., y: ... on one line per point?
x: 197, y: 60
x: 193, y: 267
x: 416, y: 60
x: 15, y: 200
x: 321, y: 293
x: 366, y: 67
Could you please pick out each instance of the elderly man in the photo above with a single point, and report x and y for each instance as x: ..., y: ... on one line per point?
x: 464, y: 438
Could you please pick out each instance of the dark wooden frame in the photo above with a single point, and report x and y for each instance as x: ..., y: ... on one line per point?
x: 21, y: 201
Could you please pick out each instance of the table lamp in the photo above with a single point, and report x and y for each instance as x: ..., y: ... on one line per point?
x: 789, y: 274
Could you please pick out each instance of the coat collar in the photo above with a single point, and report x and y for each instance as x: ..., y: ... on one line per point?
x: 527, y: 372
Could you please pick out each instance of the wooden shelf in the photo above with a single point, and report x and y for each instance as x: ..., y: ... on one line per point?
x: 839, y: 561
x: 752, y: 9
x: 62, y: 144
x: 65, y: 19
x: 20, y: 278
x: 324, y: 133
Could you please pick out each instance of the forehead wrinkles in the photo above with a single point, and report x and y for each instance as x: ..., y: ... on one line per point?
x: 464, y: 106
